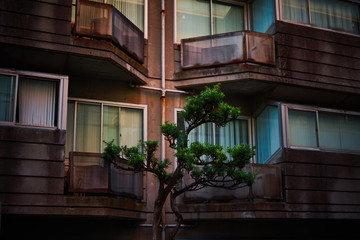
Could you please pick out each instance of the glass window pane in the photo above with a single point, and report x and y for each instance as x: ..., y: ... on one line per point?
x: 267, y: 133
x: 329, y: 130
x: 70, y: 129
x: 37, y: 102
x: 334, y: 14
x: 227, y: 18
x: 133, y: 10
x: 7, y: 97
x: 88, y: 129
x: 262, y: 15
x: 192, y: 18
x: 111, y: 124
x: 302, y: 126
x: 131, y: 126
x: 233, y: 133
x: 202, y: 134
x: 350, y: 133
x: 295, y: 10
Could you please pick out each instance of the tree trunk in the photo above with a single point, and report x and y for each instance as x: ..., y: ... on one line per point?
x: 156, y: 229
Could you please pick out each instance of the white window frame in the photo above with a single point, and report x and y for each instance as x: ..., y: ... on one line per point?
x: 62, y: 99
x: 280, y: 18
x: 101, y: 103
x: 243, y: 4
x: 286, y: 130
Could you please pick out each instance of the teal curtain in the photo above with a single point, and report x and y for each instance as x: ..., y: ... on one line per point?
x: 339, y: 131
x: 335, y: 14
x: 295, y: 10
x: 227, y: 18
x: 7, y: 97
x: 267, y: 133
x: 302, y: 127
x: 263, y: 15
x: 192, y: 18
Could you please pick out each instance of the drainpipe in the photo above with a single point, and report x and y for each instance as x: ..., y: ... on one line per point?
x: 163, y: 91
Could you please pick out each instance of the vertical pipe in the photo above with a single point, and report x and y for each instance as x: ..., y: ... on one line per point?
x: 162, y: 75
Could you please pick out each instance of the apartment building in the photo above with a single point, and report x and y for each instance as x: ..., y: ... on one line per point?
x: 76, y: 73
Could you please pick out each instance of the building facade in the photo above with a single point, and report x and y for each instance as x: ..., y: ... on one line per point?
x: 117, y: 69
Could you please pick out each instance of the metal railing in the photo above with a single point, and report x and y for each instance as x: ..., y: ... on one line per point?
x: 226, y: 48
x: 104, y: 21
x: 89, y: 173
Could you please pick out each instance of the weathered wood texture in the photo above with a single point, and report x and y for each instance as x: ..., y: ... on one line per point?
x: 31, y: 160
x: 325, y: 183
x: 316, y: 55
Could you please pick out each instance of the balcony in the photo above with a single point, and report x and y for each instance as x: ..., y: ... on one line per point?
x: 227, y: 48
x: 89, y: 173
x: 103, y: 21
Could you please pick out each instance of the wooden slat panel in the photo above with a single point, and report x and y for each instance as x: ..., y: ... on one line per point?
x: 41, y: 9
x: 32, y: 151
x: 32, y: 135
x: 35, y: 23
x: 31, y: 168
x: 319, y: 57
x: 325, y: 197
x: 322, y: 184
x: 317, y: 170
x: 31, y: 185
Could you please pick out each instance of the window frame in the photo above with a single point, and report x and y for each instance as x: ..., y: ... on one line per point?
x: 236, y: 3
x: 280, y: 18
x: 103, y: 103
x: 286, y: 129
x: 62, y: 93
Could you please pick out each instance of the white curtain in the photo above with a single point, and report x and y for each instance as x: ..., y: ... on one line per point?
x: 227, y: 18
x: 7, y: 97
x: 88, y: 129
x: 267, y: 133
x: 131, y: 130
x: 295, y: 10
x: 233, y: 133
x: 37, y: 102
x: 69, y: 146
x: 335, y: 14
x: 133, y: 10
x: 202, y: 134
x: 111, y: 124
x: 302, y: 125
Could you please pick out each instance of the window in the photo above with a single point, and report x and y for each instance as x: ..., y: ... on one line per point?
x: 323, y: 129
x: 33, y: 99
x: 206, y: 17
x: 330, y: 14
x: 90, y: 123
x: 133, y: 10
x: 262, y: 15
x: 267, y: 133
x: 234, y: 133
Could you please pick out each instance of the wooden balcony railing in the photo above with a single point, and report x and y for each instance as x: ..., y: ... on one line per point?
x: 267, y: 185
x: 227, y: 48
x: 89, y: 173
x: 104, y: 21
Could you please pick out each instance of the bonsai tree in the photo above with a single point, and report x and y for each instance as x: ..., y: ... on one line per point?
x: 206, y: 164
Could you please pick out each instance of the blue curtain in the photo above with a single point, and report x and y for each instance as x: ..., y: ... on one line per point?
x: 267, y: 133
x: 7, y: 97
x: 262, y: 15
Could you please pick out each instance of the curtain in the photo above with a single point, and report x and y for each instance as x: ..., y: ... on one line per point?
x: 262, y: 15
x: 111, y: 124
x: 133, y: 10
x: 233, y: 133
x: 69, y: 146
x: 339, y: 131
x: 37, y: 102
x: 7, y: 97
x: 192, y: 18
x: 267, y: 133
x: 302, y: 126
x: 295, y: 10
x: 131, y: 130
x: 88, y: 129
x: 334, y: 14
x: 227, y: 18
x: 202, y: 134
